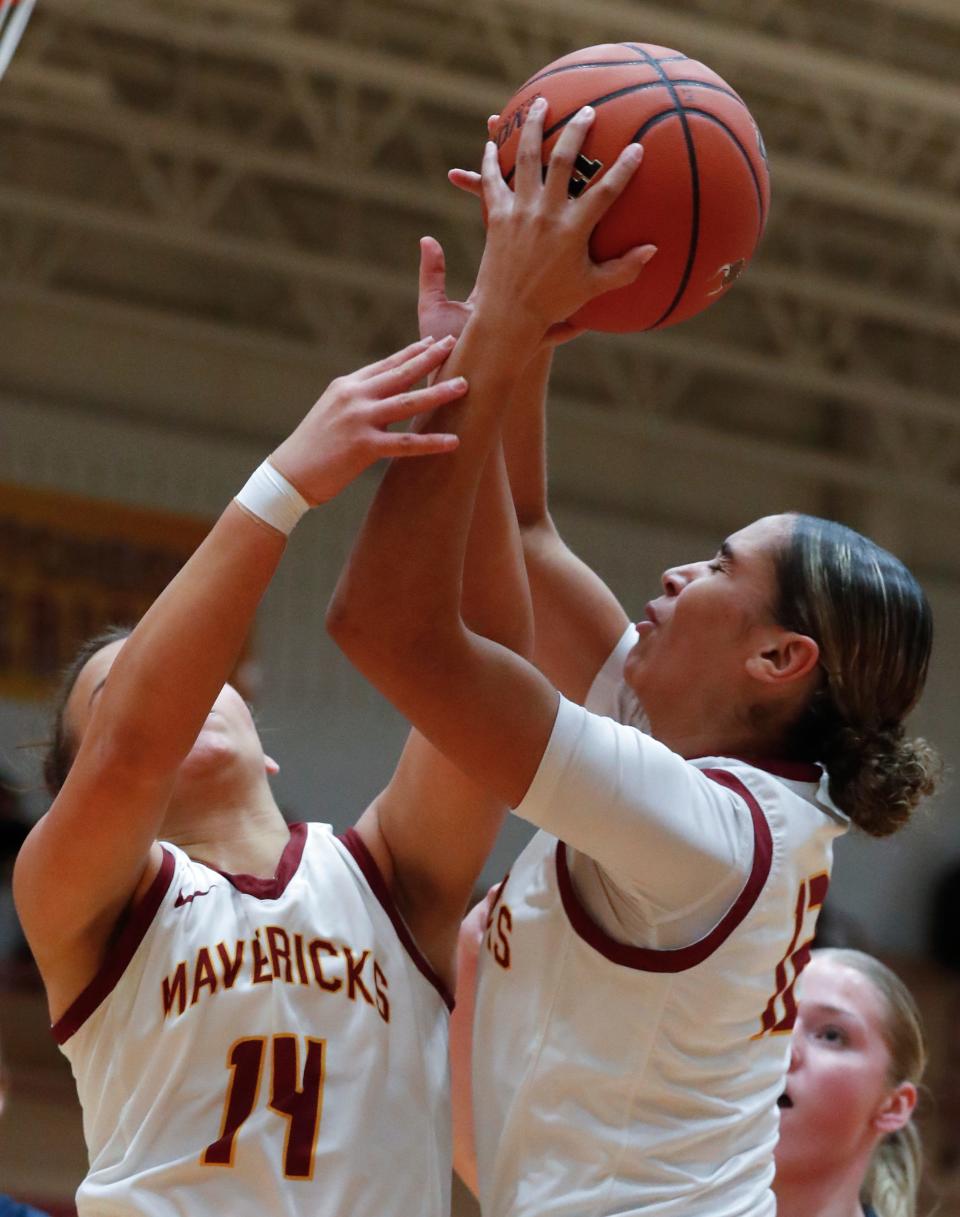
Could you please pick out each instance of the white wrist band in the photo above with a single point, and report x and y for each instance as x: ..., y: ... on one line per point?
x: 270, y: 497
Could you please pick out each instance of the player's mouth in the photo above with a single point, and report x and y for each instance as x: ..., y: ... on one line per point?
x: 784, y: 1101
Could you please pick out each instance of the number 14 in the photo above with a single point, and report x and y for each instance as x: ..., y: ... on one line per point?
x: 298, y: 1097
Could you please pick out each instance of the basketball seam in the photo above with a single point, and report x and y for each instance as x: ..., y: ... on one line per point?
x: 655, y: 119
x: 680, y: 110
x: 743, y: 152
x: 618, y: 93
x: 647, y: 58
x: 595, y: 63
x: 695, y: 190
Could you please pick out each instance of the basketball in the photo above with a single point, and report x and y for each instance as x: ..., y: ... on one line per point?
x: 702, y: 191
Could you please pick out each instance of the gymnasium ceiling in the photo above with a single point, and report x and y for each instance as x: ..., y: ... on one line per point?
x: 251, y: 177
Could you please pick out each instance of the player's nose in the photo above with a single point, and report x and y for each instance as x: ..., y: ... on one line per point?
x: 676, y: 578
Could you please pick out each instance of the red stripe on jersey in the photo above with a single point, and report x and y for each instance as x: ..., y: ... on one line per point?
x: 371, y: 872
x: 271, y: 889
x: 648, y: 959
x: 118, y: 957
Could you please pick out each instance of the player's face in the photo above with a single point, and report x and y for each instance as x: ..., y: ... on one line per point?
x: 227, y: 734
x: 838, y: 1084
x: 699, y: 632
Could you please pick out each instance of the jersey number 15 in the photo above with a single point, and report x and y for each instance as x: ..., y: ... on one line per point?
x: 781, y: 1010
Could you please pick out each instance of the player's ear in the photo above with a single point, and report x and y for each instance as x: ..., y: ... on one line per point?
x: 782, y: 657
x: 896, y: 1109
x: 270, y: 765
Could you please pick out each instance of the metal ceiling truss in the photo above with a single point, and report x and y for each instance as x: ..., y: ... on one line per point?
x: 270, y: 164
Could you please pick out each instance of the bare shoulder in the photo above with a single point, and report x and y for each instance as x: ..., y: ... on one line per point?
x: 70, y: 956
x: 429, y: 832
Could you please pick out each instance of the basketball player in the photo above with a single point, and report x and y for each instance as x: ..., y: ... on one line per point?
x: 256, y: 1014
x: 848, y: 1142
x: 638, y: 964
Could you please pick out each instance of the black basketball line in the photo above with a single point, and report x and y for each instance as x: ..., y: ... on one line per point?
x: 674, y: 58
x: 680, y: 110
x: 743, y: 152
x: 617, y: 93
x: 659, y: 84
x: 645, y: 58
x: 695, y: 190
x: 653, y: 121
x: 595, y: 63
x: 656, y: 119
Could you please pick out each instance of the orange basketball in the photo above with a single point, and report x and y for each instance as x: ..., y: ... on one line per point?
x: 702, y: 191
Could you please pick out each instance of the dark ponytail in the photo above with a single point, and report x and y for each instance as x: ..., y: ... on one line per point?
x: 873, y: 624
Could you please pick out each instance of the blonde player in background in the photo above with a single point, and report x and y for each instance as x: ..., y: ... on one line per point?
x: 255, y: 1013
x: 638, y: 963
x: 848, y: 1144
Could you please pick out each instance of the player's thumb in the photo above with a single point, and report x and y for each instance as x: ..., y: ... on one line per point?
x: 619, y: 272
x: 433, y: 271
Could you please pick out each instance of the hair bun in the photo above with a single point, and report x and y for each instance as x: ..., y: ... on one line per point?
x: 879, y: 776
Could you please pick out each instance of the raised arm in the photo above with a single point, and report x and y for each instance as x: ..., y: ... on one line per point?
x: 432, y: 828
x: 487, y: 709
x: 83, y: 862
x: 578, y: 619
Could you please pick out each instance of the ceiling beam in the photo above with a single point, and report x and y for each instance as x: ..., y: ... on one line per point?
x: 569, y: 412
x: 616, y: 19
x: 177, y: 138
x: 471, y: 97
x: 875, y: 395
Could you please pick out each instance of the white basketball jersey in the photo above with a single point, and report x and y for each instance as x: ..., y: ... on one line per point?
x: 255, y: 1047
x: 614, y: 1079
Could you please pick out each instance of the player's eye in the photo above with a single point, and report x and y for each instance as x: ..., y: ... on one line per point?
x: 835, y: 1036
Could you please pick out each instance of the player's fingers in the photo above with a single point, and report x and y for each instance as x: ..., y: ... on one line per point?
x: 466, y: 180
x: 494, y: 189
x: 599, y: 198
x: 413, y: 443
x: 492, y: 125
x: 618, y: 272
x: 418, y: 401
x: 397, y: 359
x: 565, y: 152
x: 419, y: 363
x: 433, y: 271
x: 529, y: 172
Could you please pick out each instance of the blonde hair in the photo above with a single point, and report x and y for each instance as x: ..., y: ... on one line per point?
x: 893, y: 1177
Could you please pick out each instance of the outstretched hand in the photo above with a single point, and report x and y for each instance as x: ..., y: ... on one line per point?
x: 440, y: 316
x: 536, y: 265
x: 437, y: 314
x: 346, y: 430
x: 471, y: 183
